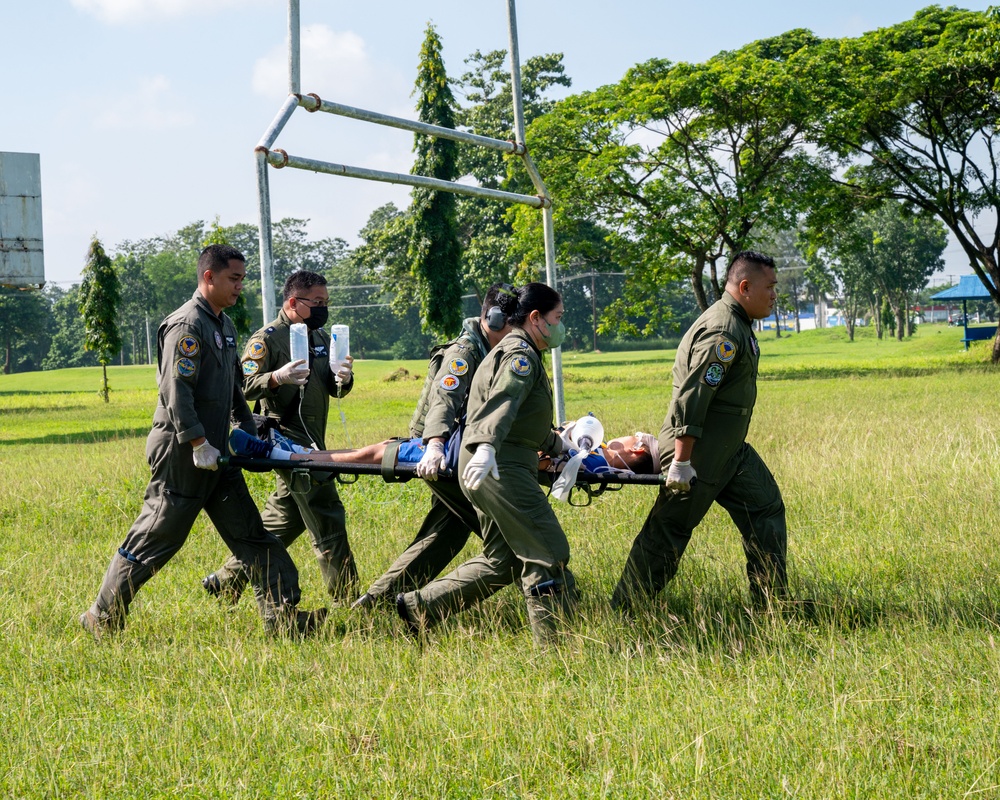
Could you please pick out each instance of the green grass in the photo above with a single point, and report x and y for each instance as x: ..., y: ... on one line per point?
x: 883, y: 685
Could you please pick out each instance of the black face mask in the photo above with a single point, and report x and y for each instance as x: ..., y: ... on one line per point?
x: 318, y: 315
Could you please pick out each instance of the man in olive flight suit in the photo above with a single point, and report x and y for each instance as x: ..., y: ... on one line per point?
x: 703, y: 448
x: 198, y: 375
x: 439, y: 415
x: 296, y: 396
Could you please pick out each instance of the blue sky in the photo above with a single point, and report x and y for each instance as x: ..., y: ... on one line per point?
x: 146, y: 112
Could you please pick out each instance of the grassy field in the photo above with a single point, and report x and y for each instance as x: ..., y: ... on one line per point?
x: 884, y: 684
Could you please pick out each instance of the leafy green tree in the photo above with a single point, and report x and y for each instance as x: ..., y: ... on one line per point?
x: 918, y: 111
x: 488, y: 254
x: 100, y: 295
x: 23, y: 332
x: 137, y: 302
x: 434, y: 250
x: 681, y: 162
x: 68, y: 332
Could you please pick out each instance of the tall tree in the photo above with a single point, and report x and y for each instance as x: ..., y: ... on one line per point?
x: 918, y: 112
x: 681, y: 162
x: 488, y: 253
x: 100, y: 295
x: 23, y: 336
x: 434, y: 251
x: 67, y: 329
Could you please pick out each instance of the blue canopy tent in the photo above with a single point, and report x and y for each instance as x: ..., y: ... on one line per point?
x: 969, y: 288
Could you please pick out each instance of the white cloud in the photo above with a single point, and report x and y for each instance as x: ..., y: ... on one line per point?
x: 153, y: 106
x: 335, y: 65
x: 122, y: 11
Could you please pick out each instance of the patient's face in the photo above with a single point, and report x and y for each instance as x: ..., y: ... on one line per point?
x: 620, y: 452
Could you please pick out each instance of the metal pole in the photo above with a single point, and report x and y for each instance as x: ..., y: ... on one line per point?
x: 294, y: 49
x: 264, y: 226
x: 551, y: 271
x: 593, y: 307
x: 279, y: 159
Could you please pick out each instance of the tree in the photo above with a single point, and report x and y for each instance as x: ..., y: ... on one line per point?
x: 485, y: 225
x: 137, y: 302
x: 681, y: 162
x: 24, y: 336
x: 434, y: 250
x: 917, y: 111
x: 100, y: 295
x: 68, y: 332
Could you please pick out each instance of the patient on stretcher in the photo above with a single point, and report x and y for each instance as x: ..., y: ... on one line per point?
x: 626, y: 454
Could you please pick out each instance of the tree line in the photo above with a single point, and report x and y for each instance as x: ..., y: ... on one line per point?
x: 849, y: 159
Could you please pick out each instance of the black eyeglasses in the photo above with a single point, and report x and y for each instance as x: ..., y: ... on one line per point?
x: 312, y: 303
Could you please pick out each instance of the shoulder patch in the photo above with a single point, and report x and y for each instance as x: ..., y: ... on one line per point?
x: 256, y: 350
x: 449, y: 383
x: 522, y: 344
x: 458, y: 366
x: 521, y: 366
x: 250, y: 367
x: 714, y: 374
x: 270, y: 329
x: 188, y: 346
x: 185, y: 367
x: 725, y: 351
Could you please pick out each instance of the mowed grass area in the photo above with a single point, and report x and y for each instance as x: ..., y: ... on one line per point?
x: 881, y: 682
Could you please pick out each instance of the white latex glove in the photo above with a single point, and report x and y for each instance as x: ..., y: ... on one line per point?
x: 294, y: 373
x: 680, y: 476
x: 430, y: 462
x: 206, y: 456
x: 482, y: 463
x: 343, y: 370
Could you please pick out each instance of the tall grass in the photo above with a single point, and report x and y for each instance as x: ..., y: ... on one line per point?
x: 881, y: 681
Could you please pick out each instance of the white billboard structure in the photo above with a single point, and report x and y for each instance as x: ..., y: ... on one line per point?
x: 21, y: 257
x: 267, y: 155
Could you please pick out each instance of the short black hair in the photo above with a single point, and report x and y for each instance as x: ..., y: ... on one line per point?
x: 534, y: 297
x: 216, y: 257
x: 501, y: 295
x: 746, y: 263
x: 301, y: 281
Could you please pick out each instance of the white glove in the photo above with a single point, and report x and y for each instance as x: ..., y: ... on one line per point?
x: 344, y: 371
x: 680, y: 476
x: 430, y: 462
x: 206, y: 456
x: 294, y: 373
x: 482, y: 463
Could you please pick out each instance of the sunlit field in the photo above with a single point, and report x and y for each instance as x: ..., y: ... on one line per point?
x: 880, y: 679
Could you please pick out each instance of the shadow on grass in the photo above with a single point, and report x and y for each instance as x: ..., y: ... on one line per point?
x: 82, y: 437
x: 47, y: 409
x: 854, y: 371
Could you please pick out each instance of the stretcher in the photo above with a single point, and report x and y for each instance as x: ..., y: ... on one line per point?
x: 588, y: 484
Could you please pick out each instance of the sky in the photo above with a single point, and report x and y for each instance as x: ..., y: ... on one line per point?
x: 145, y: 113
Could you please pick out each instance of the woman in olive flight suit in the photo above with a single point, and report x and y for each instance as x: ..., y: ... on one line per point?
x: 509, y: 420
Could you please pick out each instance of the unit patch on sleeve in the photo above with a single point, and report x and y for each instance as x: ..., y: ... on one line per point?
x: 250, y: 367
x: 256, y: 350
x: 521, y: 366
x: 449, y: 383
x: 458, y: 366
x: 714, y: 374
x: 725, y: 351
x: 185, y: 367
x: 188, y: 346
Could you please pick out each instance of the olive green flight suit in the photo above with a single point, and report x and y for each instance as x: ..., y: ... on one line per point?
x: 451, y: 518
x: 199, y: 376
x: 319, y: 509
x: 510, y: 407
x: 715, y: 388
